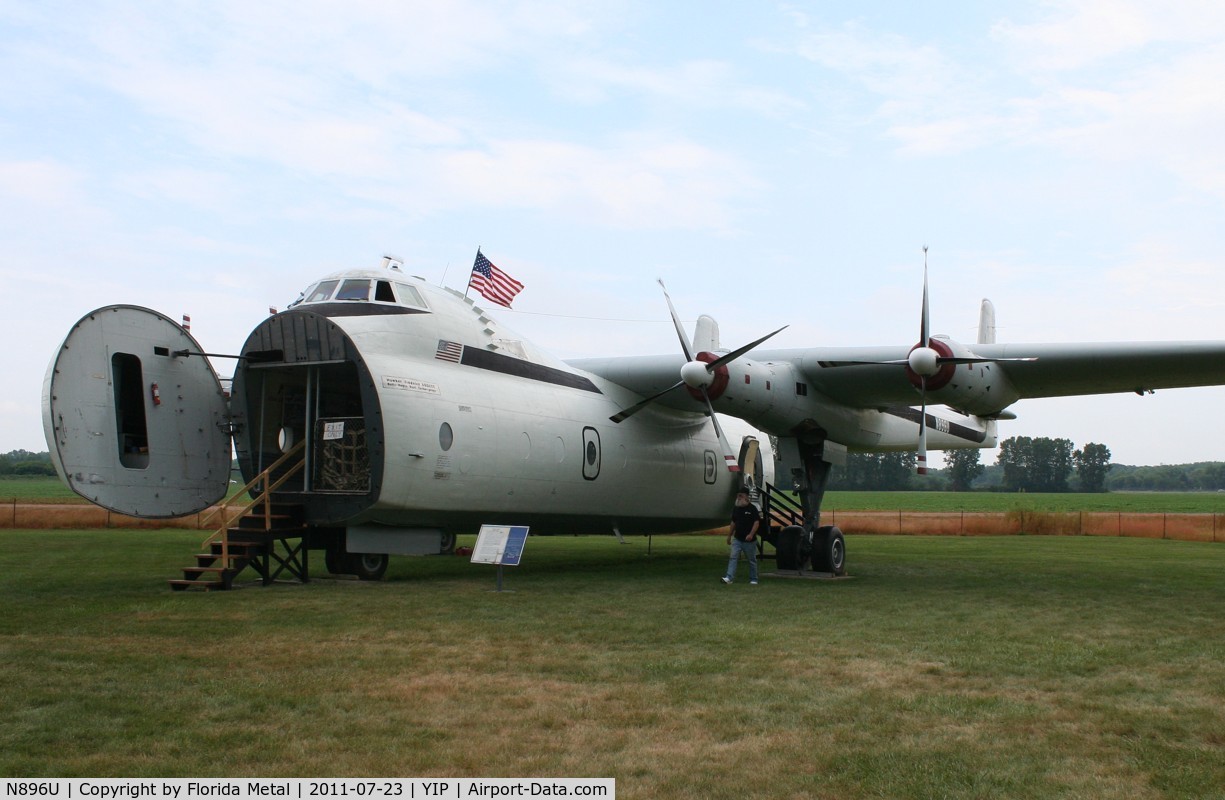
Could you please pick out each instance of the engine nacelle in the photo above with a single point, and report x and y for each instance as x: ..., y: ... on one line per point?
x: 979, y: 388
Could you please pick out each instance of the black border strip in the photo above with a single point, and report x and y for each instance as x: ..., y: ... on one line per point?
x: 960, y: 431
x: 507, y: 365
x: 356, y: 308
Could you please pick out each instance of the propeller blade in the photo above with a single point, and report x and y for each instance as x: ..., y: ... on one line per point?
x: 738, y: 352
x: 921, y: 460
x: 626, y: 413
x: 925, y: 326
x: 676, y: 322
x: 729, y: 458
x: 980, y: 359
x: 896, y: 362
x: 940, y: 360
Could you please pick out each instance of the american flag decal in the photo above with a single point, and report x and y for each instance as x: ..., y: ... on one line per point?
x: 449, y: 351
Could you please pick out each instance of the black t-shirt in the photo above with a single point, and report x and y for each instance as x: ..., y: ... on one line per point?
x: 743, y: 518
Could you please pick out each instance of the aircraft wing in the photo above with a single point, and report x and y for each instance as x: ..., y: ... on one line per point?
x: 1058, y: 370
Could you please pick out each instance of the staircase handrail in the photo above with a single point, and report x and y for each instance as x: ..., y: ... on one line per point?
x: 265, y: 496
x: 787, y: 507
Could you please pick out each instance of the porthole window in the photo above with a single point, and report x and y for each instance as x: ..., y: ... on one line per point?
x: 446, y: 437
x: 592, y: 453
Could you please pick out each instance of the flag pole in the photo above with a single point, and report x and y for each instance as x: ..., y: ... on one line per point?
x: 469, y: 286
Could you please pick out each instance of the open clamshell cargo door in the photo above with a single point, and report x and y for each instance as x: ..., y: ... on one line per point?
x: 135, y: 418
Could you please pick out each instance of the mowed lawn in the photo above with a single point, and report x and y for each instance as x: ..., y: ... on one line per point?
x: 944, y: 667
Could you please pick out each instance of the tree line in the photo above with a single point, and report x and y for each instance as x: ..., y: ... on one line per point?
x: 1025, y: 464
x: 23, y: 462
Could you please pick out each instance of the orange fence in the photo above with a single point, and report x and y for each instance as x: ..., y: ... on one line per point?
x: 1183, y: 527
x: 74, y: 515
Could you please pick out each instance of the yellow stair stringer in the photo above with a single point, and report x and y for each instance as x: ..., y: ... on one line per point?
x: 231, y: 511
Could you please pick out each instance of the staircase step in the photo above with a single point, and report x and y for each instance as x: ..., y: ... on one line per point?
x: 206, y: 586
x: 241, y: 548
x: 248, y: 543
x: 188, y: 572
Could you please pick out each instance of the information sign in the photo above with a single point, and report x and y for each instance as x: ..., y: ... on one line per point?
x: 500, y: 544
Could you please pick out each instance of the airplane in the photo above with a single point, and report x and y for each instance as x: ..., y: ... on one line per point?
x: 389, y: 415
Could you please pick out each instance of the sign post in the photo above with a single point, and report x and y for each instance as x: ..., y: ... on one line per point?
x: 501, y: 545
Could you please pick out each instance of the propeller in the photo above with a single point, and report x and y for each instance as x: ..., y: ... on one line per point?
x: 697, y: 375
x: 925, y: 361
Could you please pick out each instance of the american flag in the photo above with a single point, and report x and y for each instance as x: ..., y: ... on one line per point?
x: 493, y: 283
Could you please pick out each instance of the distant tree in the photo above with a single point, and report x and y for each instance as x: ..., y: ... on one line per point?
x: 874, y: 472
x: 1208, y: 477
x: 23, y: 462
x: 1092, y: 465
x: 1036, y: 465
x: 962, y: 467
x: 1014, y: 458
x: 1203, y: 476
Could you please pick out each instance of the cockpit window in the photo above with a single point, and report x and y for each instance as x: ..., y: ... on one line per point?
x: 361, y: 290
x: 321, y: 292
x: 354, y: 290
x: 409, y: 296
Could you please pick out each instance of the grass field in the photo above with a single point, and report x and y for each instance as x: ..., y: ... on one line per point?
x: 36, y: 490
x: 1021, y: 667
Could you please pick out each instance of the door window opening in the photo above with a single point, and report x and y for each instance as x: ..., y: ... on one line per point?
x: 133, y: 432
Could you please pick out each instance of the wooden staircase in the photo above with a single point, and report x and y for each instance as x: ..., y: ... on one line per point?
x: 250, y: 532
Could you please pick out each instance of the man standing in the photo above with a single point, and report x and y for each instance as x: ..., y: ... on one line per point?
x: 742, y: 537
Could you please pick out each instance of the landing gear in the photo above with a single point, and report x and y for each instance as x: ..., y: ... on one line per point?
x: 787, y: 548
x: 335, y: 560
x: 810, y: 543
x: 829, y: 550
x: 366, y: 566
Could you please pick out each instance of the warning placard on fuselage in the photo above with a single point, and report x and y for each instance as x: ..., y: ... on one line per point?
x: 500, y: 544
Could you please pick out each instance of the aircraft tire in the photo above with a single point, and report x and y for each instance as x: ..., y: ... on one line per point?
x: 787, y: 549
x: 447, y: 545
x: 334, y: 558
x: 367, y: 566
x: 829, y: 550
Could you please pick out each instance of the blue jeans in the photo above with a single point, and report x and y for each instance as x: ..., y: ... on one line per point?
x: 750, y: 552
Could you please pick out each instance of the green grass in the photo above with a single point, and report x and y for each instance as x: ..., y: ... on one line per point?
x: 1021, y: 667
x: 40, y: 489
x: 36, y: 489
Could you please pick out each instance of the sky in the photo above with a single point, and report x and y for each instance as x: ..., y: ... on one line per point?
x: 773, y: 163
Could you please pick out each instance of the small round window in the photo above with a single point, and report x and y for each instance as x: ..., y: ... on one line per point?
x: 446, y: 437
x: 591, y: 453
